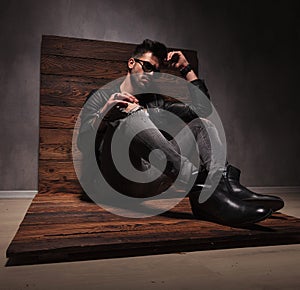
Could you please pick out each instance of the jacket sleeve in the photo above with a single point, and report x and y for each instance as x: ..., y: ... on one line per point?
x: 199, y: 104
x: 90, y: 112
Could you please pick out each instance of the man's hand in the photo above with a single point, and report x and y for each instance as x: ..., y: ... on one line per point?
x: 178, y: 60
x: 118, y: 100
x: 178, y: 56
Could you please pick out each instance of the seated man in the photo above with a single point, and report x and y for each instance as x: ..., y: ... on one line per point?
x: 124, y: 109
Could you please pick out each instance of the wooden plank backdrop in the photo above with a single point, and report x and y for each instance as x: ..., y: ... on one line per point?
x: 58, y: 225
x: 70, y: 69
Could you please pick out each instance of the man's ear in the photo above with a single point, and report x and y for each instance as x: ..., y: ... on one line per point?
x: 130, y: 63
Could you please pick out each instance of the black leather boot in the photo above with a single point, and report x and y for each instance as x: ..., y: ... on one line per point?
x: 232, y: 177
x: 223, y: 208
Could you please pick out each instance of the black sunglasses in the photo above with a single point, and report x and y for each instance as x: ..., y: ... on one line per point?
x: 146, y: 66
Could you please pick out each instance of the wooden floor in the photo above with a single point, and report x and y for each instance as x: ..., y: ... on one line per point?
x: 61, y: 227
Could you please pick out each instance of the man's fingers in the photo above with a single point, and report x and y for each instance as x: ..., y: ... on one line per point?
x: 124, y: 96
x: 172, y: 53
x: 120, y: 103
x: 177, y: 59
x: 131, y: 97
x: 169, y: 56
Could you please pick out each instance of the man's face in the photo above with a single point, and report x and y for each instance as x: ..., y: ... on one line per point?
x: 142, y: 68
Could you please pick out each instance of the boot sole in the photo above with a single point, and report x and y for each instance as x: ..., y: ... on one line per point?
x: 206, y: 218
x: 257, y: 220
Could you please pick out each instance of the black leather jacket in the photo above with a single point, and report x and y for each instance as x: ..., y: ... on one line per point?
x: 97, y: 99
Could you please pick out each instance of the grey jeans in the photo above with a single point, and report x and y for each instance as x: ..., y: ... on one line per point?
x: 152, y: 161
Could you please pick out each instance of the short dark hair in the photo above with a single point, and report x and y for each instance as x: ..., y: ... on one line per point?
x: 158, y: 49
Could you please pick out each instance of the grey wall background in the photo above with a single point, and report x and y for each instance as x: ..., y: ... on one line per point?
x: 248, y: 53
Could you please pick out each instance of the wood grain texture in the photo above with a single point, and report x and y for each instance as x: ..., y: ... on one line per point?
x: 56, y: 136
x: 58, y: 117
x: 74, y: 66
x: 59, y: 152
x: 57, y: 170
x: 58, y: 186
x: 57, y: 90
x: 97, y: 49
x: 61, y: 227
